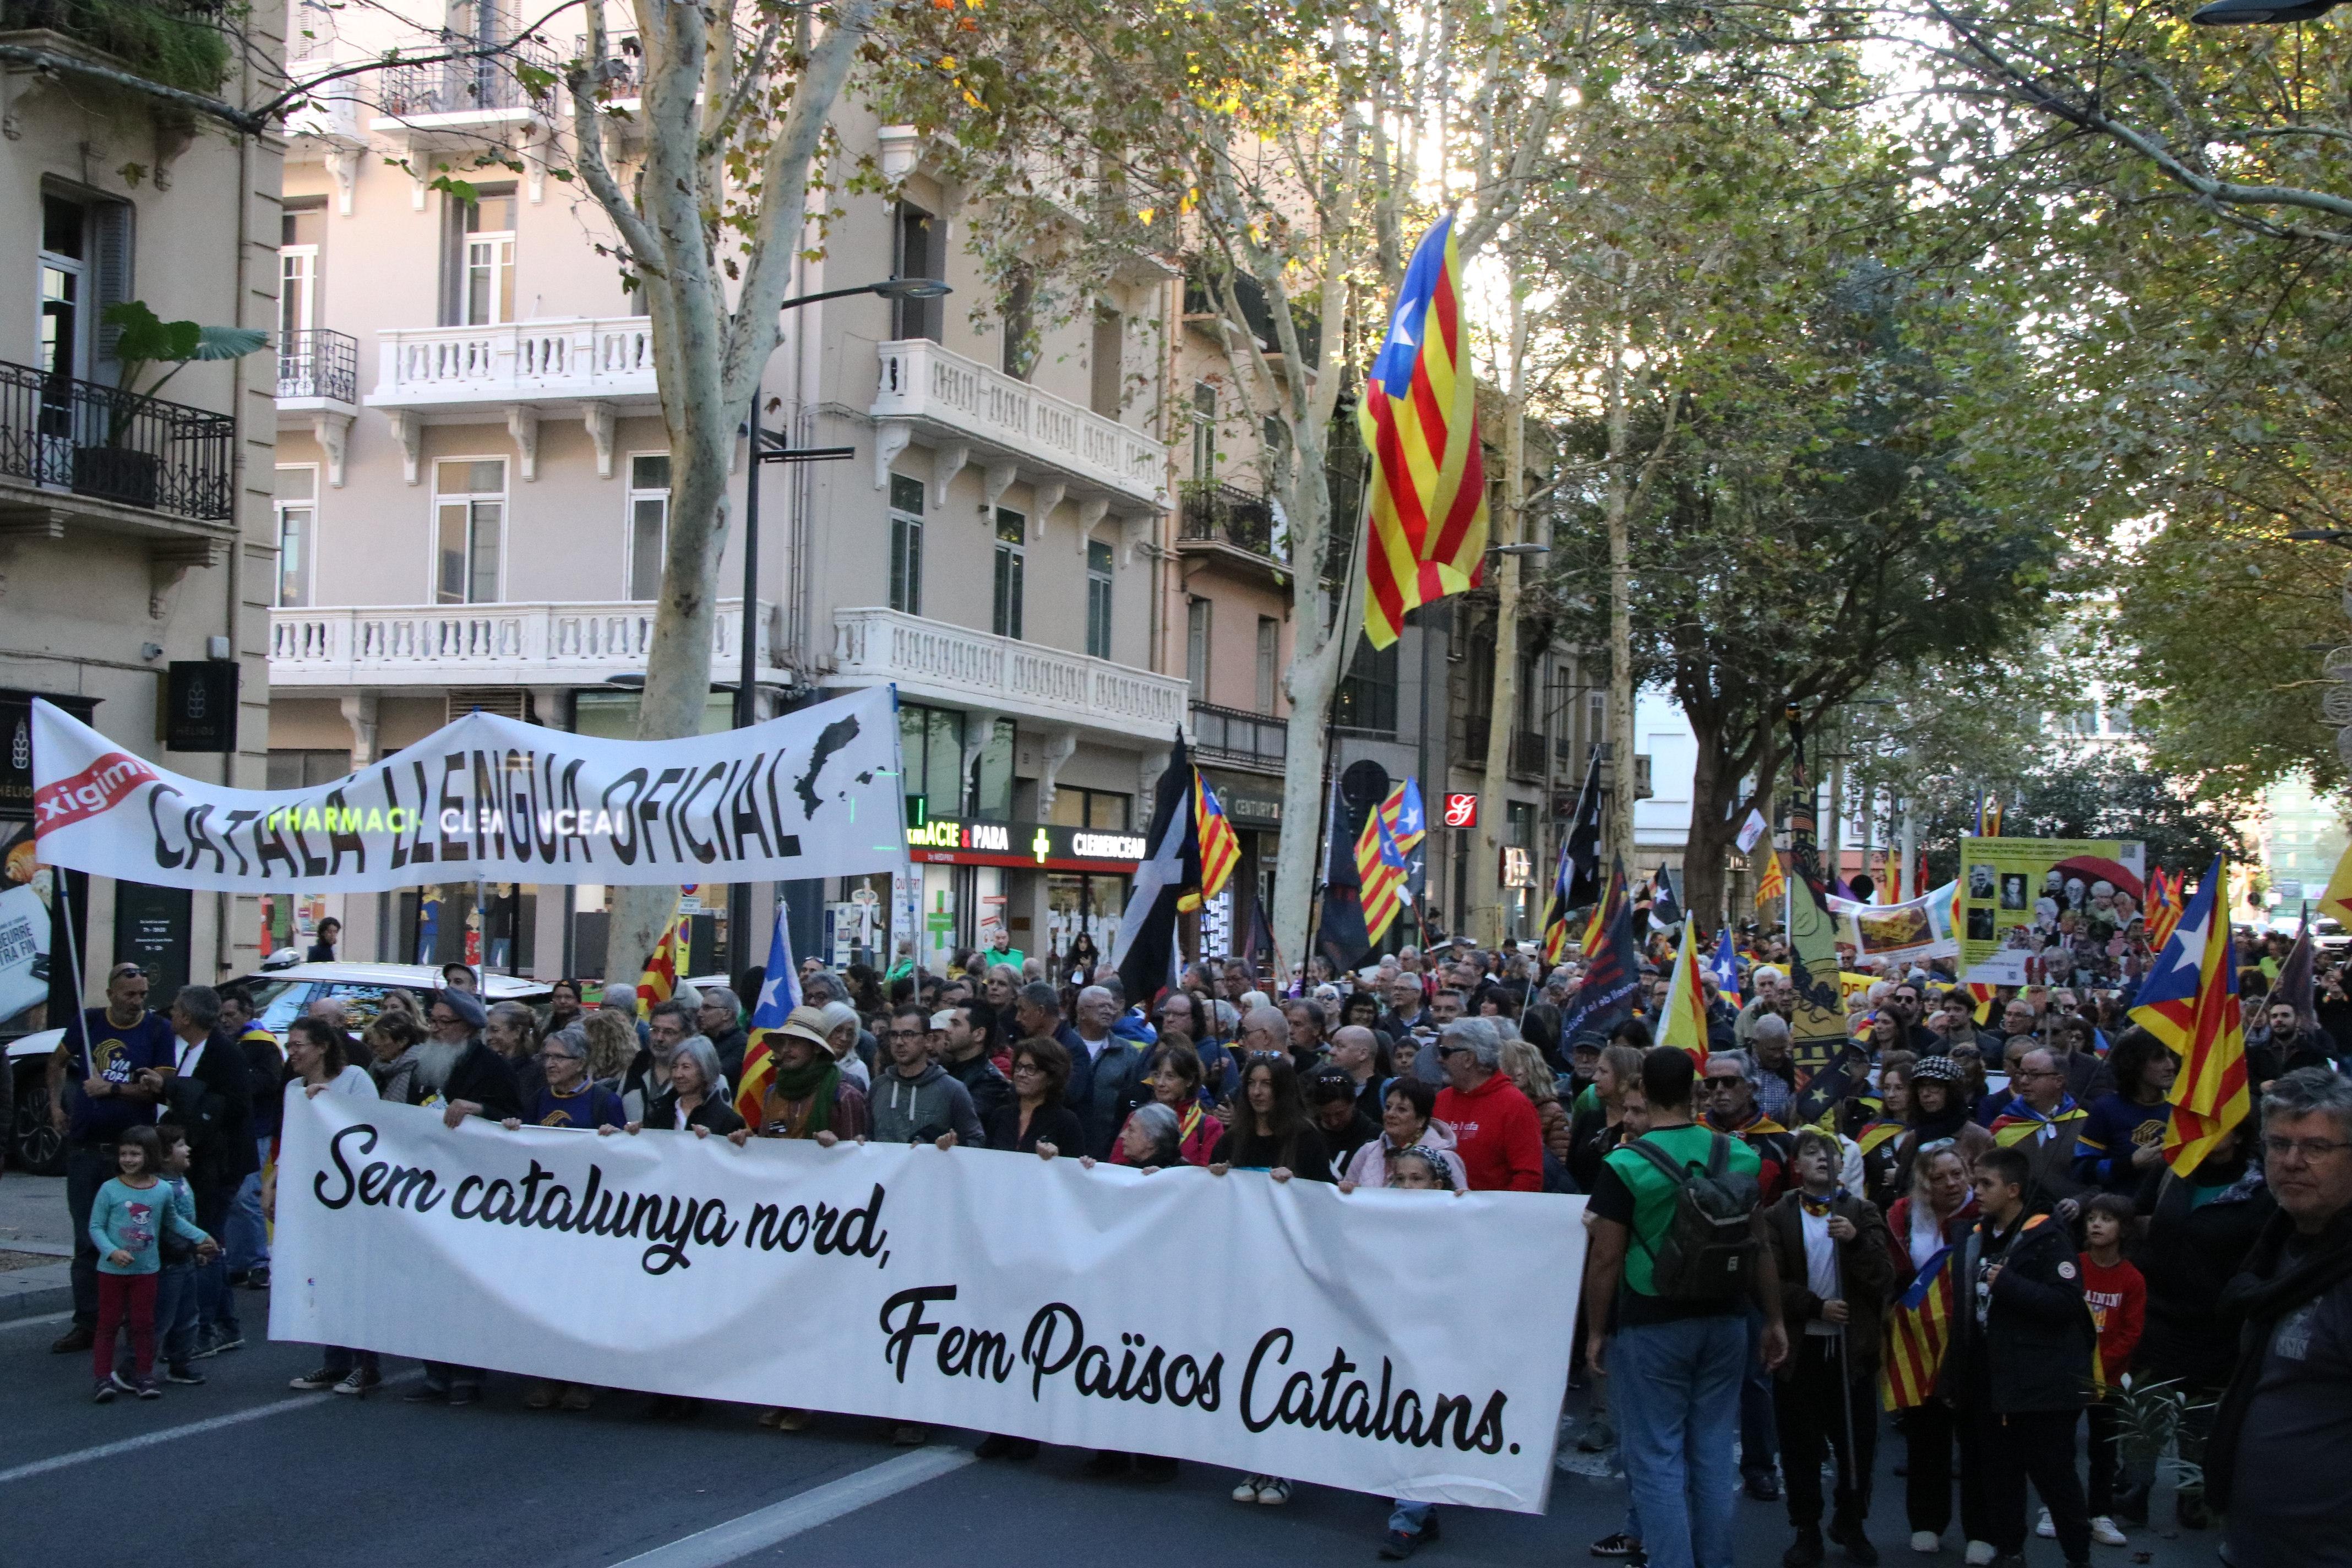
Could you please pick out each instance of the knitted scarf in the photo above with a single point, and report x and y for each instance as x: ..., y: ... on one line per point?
x: 818, y: 1083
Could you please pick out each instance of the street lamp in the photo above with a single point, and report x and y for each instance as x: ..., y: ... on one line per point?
x: 772, y: 447
x: 2336, y: 536
x: 2254, y: 13
x: 1519, y: 550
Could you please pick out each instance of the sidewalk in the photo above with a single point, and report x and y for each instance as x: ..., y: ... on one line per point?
x: 34, y: 1229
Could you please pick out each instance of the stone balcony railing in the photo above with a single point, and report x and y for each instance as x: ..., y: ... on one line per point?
x: 369, y: 647
x: 572, y: 361
x: 932, y: 660
x: 982, y: 415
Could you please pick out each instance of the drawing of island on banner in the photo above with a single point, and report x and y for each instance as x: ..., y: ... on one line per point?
x: 2056, y: 911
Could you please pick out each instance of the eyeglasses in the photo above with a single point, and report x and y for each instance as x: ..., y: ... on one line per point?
x: 2311, y: 1150
x: 1021, y: 1067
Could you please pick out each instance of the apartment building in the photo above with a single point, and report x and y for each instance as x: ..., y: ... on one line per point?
x: 135, y: 531
x: 472, y: 490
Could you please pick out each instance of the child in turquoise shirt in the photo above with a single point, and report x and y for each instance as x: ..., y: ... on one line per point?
x: 128, y: 1218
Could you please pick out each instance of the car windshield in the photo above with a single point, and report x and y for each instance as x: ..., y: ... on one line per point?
x: 278, y: 1003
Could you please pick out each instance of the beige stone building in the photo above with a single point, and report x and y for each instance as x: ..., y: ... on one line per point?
x: 135, y: 534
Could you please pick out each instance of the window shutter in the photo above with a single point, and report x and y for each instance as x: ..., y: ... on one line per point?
x: 110, y: 234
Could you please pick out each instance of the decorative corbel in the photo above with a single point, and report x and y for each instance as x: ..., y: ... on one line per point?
x: 343, y: 168
x: 1048, y: 495
x: 169, y: 561
x: 1059, y: 747
x: 535, y: 162
x: 598, y: 416
x: 1090, y: 512
x: 890, y: 439
x: 360, y: 713
x: 334, y: 434
x: 175, y: 131
x: 408, y: 429
x: 1133, y: 532
x: 946, y: 462
x: 19, y: 527
x: 979, y: 730
x: 995, y: 479
x: 522, y: 424
x: 1149, y: 766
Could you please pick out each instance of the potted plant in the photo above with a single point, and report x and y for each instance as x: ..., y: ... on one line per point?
x: 120, y: 468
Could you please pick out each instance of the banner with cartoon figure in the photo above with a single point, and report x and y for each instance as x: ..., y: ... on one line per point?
x: 2057, y: 911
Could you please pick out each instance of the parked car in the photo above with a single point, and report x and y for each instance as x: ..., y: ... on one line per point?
x: 279, y: 996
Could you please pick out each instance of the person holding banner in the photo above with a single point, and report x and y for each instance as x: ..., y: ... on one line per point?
x: 809, y: 1096
x: 314, y: 1051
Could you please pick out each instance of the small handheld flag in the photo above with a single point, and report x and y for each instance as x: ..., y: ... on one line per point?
x: 1727, y: 968
x: 779, y: 992
x: 1684, y: 1024
x: 1918, y: 1327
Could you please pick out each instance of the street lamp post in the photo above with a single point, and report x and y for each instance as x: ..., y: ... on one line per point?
x: 773, y: 446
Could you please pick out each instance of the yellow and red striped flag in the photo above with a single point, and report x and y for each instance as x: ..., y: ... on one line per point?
x: 1427, y: 507
x: 1918, y: 1327
x: 1684, y: 1026
x: 1380, y: 866
x: 2189, y: 1001
x: 1220, y: 849
x: 1775, y: 884
x: 2163, y: 908
x: 671, y: 959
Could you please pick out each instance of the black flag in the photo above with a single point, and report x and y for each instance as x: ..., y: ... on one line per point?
x: 1584, y: 841
x: 1341, y: 937
x: 1145, y: 946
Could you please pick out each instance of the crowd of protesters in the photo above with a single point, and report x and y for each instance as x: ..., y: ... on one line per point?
x: 1756, y: 1215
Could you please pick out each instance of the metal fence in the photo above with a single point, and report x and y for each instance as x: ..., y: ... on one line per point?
x: 319, y: 362
x: 116, y: 446
x: 1235, y: 517
x: 434, y: 86
x: 1241, y: 739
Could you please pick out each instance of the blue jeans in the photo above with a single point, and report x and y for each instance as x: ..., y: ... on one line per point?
x: 175, y: 1314
x: 248, y: 1239
x: 215, y: 1302
x: 1410, y: 1517
x: 1760, y: 1430
x: 1676, y: 1401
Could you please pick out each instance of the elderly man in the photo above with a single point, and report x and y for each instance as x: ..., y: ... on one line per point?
x: 1114, y: 1067
x: 621, y: 1001
x: 2043, y: 1122
x: 208, y: 1091
x: 1407, y: 1014
x: 1262, y: 1029
x: 1307, y: 1021
x: 1495, y: 1130
x: 666, y: 1026
x: 478, y: 1082
x: 720, y: 1021
x: 1355, y: 1050
x: 2274, y: 1462
x: 1773, y: 1043
x: 1769, y: 991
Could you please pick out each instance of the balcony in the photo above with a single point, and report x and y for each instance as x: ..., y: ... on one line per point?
x: 1238, y: 740
x: 317, y: 369
x: 1222, y: 522
x: 1526, y: 759
x: 970, y: 414
x: 434, y: 646
x: 471, y: 369
x: 461, y: 96
x: 80, y: 450
x: 932, y: 661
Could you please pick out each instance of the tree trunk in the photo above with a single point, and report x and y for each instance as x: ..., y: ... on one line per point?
x: 1619, y: 833
x: 1489, y: 916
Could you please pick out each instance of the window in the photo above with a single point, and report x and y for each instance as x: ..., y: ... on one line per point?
x: 1205, y: 433
x: 1368, y: 698
x: 301, y: 231
x: 481, y: 283
x: 1521, y: 819
x: 470, y: 506
x: 930, y: 745
x: 307, y: 768
x: 915, y: 254
x: 1269, y: 661
x: 297, y: 512
x: 906, y: 544
x: 1098, y: 581
x: 1196, y: 647
x: 648, y: 522
x: 1011, y: 528
x: 1109, y: 372
x: 1096, y: 808
x: 85, y: 266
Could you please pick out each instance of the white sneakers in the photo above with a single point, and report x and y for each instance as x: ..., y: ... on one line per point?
x: 1980, y: 1553
x: 1926, y: 1541
x: 1251, y: 1485
x: 2105, y: 1532
x: 2047, y: 1530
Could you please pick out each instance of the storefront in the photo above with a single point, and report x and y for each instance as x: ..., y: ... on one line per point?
x: 1021, y: 878
x: 1254, y: 805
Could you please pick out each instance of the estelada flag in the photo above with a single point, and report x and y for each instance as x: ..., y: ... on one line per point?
x: 779, y: 992
x: 2189, y: 1001
x: 2338, y: 900
x: 1427, y: 507
x: 1220, y: 850
x: 1380, y: 866
x: 671, y: 958
x: 1684, y: 1026
x: 1918, y: 1328
x: 2163, y: 906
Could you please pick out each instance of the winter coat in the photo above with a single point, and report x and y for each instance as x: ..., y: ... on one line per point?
x: 1864, y: 1262
x: 2033, y: 1350
x: 1369, y: 1168
x: 2191, y: 1250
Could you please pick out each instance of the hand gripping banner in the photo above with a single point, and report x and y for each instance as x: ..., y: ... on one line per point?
x: 814, y: 794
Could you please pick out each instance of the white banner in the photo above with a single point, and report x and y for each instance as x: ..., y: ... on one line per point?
x: 1907, y: 932
x: 1404, y: 1343
x: 814, y: 794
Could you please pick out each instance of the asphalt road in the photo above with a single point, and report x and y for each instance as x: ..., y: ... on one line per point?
x: 243, y: 1471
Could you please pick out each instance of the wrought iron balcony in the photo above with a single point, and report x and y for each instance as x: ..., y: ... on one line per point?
x: 1240, y: 739
x: 318, y: 364
x: 1527, y: 759
x: 108, y: 444
x: 1225, y: 514
x: 433, y: 87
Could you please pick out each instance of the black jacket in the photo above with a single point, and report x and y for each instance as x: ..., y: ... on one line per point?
x: 988, y: 1087
x: 729, y: 1043
x: 1054, y: 1124
x: 1865, y: 1263
x: 213, y: 1103
x: 713, y: 1113
x: 2187, y: 1257
x: 486, y: 1078
x: 2033, y: 1350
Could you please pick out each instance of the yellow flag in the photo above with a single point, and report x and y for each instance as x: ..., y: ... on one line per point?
x: 1684, y: 1024
x: 2338, y: 900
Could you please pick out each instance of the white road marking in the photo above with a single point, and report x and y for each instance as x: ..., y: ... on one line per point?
x: 762, y: 1527
x: 44, y: 1318
x: 171, y: 1434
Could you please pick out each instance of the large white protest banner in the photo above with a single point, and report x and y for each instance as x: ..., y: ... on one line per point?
x: 1410, y: 1345
x: 814, y: 794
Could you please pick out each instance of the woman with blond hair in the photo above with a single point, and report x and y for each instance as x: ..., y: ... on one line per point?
x: 611, y: 1047
x: 1525, y: 1066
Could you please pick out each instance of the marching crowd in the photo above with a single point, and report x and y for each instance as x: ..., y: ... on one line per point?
x: 1767, y: 1239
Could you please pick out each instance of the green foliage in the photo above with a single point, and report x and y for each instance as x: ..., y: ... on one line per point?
x: 171, y: 44
x: 144, y: 340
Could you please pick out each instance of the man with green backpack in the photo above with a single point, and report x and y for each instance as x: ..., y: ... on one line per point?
x: 1674, y: 1264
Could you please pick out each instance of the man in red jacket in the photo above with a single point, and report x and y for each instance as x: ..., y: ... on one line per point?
x: 1495, y: 1130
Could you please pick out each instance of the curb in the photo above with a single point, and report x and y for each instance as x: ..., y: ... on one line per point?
x: 37, y: 1291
